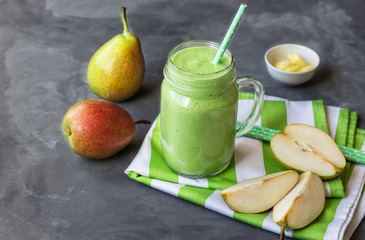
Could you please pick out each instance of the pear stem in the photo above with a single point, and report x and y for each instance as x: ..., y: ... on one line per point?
x: 142, y: 121
x: 282, y: 232
x: 124, y: 19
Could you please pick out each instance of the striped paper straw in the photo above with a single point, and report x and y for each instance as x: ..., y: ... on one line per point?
x: 265, y: 134
x: 229, y: 34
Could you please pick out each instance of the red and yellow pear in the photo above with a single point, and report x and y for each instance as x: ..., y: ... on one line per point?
x: 96, y: 128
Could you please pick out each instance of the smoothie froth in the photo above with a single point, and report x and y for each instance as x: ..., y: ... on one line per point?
x: 199, y: 60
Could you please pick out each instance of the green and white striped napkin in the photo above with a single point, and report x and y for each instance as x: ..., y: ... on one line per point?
x: 343, y: 209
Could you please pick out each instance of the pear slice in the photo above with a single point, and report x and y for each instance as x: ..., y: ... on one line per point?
x: 302, y: 205
x: 259, y: 194
x: 305, y: 148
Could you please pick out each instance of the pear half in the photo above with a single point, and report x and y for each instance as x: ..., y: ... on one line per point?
x: 305, y: 148
x: 259, y: 194
x: 302, y: 204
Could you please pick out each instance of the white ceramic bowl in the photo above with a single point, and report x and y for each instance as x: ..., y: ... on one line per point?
x: 280, y: 53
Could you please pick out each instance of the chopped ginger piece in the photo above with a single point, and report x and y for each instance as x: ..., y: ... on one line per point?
x: 306, y: 68
x: 292, y: 58
x: 295, y: 64
x: 299, y: 60
x: 283, y: 65
x: 294, y: 68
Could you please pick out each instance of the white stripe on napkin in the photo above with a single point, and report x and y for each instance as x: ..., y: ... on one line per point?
x: 302, y: 115
x: 332, y: 114
x: 347, y: 206
x: 216, y: 203
x: 201, y: 182
x: 249, y: 151
x: 356, y: 218
x: 271, y: 226
x: 167, y: 187
x: 143, y: 157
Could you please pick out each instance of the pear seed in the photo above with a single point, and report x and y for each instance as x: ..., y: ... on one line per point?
x: 305, y: 147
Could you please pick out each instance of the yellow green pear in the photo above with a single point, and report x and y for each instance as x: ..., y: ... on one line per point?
x: 116, y: 70
x: 305, y: 148
x: 261, y: 193
x: 302, y: 205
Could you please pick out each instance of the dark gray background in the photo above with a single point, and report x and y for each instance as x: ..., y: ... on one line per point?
x: 48, y: 192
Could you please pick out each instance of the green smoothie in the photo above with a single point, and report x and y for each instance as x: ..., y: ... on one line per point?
x: 198, y: 119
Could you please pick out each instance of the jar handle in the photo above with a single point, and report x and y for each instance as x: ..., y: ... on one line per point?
x: 246, y: 125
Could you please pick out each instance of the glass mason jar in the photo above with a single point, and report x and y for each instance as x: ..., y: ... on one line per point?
x: 198, y: 115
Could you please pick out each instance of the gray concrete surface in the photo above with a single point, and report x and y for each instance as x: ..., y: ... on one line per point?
x: 48, y: 192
